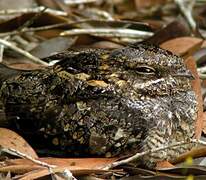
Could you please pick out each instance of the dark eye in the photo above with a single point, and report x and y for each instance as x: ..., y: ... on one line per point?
x: 145, y: 70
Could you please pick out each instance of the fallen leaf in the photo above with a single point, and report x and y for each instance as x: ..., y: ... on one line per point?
x: 196, y: 84
x: 106, y: 44
x: 26, y: 66
x: 78, y: 166
x: 183, y: 46
x: 53, y: 45
x: 194, y: 153
x: 204, y: 123
x: 148, y: 3
x: 164, y: 164
x: 173, y: 30
x: 10, y: 139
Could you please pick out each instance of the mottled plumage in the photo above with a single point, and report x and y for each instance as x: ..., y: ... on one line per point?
x: 102, y: 102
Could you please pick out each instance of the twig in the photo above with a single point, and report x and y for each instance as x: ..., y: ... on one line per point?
x: 138, y: 155
x: 22, y: 52
x: 109, y: 32
x: 31, y: 20
x: 66, y: 173
x: 2, y: 49
x: 201, y: 70
x: 33, y: 29
x: 25, y: 156
x: 186, y: 7
x: 202, y: 75
x: 1, y: 52
x: 101, y: 13
x: 74, y: 2
x: 33, y: 10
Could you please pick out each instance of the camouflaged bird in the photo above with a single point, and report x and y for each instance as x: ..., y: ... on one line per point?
x: 102, y: 102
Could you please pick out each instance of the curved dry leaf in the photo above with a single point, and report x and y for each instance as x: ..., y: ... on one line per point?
x: 19, y: 169
x: 26, y: 66
x: 195, y: 153
x: 44, y: 20
x: 196, y: 84
x: 48, y: 47
x: 175, y: 29
x: 78, y: 166
x: 183, y: 46
x: 149, y: 3
x: 187, y: 170
x: 204, y: 123
x: 40, y: 173
x: 164, y: 164
x: 10, y: 139
x: 70, y: 163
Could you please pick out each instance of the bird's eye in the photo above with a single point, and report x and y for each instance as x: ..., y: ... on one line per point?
x: 145, y: 70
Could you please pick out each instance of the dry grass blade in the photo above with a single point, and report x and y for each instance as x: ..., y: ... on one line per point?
x: 186, y: 9
x: 73, y: 2
x: 183, y: 46
x: 108, y: 32
x: 33, y: 10
x: 22, y: 52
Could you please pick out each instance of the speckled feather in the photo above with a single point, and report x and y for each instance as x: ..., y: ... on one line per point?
x: 102, y: 102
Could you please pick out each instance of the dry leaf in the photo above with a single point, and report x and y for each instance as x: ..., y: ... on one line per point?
x: 204, y: 123
x: 25, y: 66
x: 196, y: 84
x: 173, y: 30
x: 164, y: 164
x: 148, y: 3
x: 183, y: 46
x: 53, y: 45
x: 194, y: 153
x: 78, y: 166
x: 10, y: 139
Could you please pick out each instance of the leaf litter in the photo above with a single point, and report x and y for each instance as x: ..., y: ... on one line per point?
x: 30, y: 30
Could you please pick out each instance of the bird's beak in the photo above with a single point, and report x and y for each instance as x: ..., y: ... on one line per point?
x: 186, y: 74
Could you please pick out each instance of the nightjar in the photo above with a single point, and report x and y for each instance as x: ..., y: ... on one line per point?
x: 104, y: 102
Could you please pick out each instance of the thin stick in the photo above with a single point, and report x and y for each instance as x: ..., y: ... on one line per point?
x: 66, y: 173
x: 109, y: 32
x: 22, y: 52
x: 186, y: 7
x: 101, y: 13
x: 2, y: 49
x: 31, y: 20
x: 33, y: 29
x: 138, y: 155
x: 74, y: 2
x: 25, y: 156
x: 33, y: 10
x: 201, y: 69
